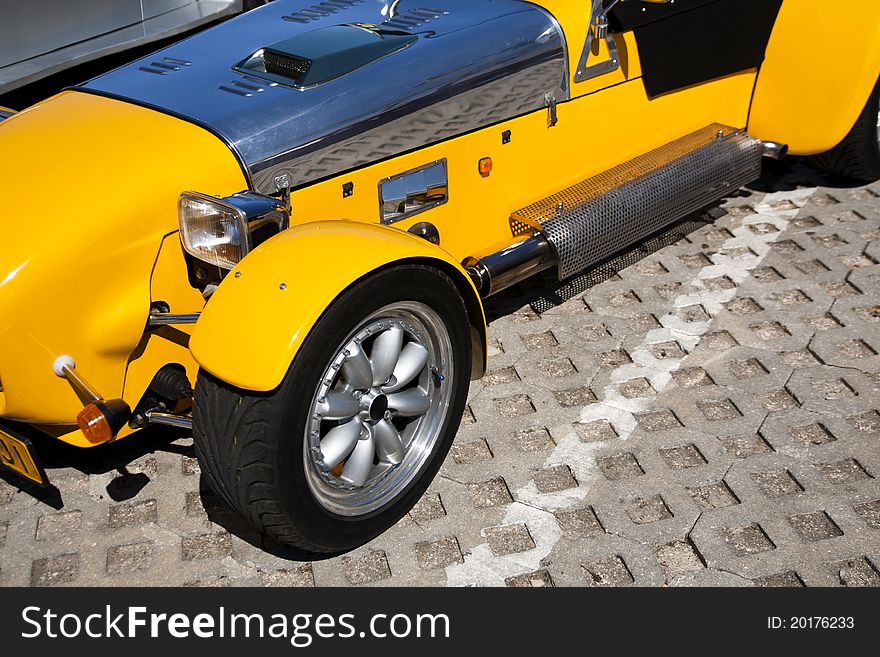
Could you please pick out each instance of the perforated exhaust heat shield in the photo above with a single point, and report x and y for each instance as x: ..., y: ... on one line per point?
x: 591, y: 220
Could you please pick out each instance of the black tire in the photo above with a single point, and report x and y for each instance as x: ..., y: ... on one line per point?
x: 858, y: 156
x: 250, y: 446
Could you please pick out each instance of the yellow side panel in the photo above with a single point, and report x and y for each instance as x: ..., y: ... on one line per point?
x: 822, y: 63
x: 594, y: 133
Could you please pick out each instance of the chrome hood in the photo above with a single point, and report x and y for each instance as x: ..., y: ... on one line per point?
x: 473, y: 64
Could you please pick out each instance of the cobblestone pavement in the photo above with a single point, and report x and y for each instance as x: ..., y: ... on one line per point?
x: 706, y: 416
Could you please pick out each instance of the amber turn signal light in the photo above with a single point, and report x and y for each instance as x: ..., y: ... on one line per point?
x: 485, y: 166
x: 101, y: 420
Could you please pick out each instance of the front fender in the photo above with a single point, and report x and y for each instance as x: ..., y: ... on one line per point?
x: 256, y: 321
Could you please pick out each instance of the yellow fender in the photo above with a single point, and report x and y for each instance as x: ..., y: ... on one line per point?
x: 262, y: 312
x: 822, y: 64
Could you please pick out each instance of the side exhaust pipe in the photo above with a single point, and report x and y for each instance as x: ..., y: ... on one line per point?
x: 518, y: 260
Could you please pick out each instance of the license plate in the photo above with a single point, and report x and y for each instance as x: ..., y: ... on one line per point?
x: 17, y: 454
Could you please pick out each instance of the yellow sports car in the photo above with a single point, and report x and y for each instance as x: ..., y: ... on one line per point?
x: 279, y: 231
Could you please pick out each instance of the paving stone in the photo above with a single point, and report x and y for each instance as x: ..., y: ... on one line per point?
x: 366, y: 568
x: 642, y: 510
x: 612, y: 359
x: 823, y: 322
x: 557, y: 367
x: 635, y: 388
x: 472, y: 451
x: 608, y: 571
x: 678, y: 557
x: 742, y: 447
x: 574, y: 397
x: 596, y: 431
x: 432, y: 555
x: 743, y: 306
x: 489, y: 493
x: 56, y: 526
x: 800, y: 358
x: 834, y: 389
x: 545, y: 340
x: 695, y: 260
x: 554, y: 478
x: 787, y: 579
x: 777, y: 483
x: 811, y: 434
x: 623, y: 298
x: 868, y: 422
x: 843, y: 471
x: 715, y: 495
x: 536, y: 579
x: 515, y: 406
x: 746, y: 368
x: 684, y: 456
x: 4, y: 531
x: 791, y: 297
x: 693, y: 313
x: 593, y: 332
x: 507, y: 539
x: 579, y: 523
x: 868, y: 313
x: 129, y: 558
x: 855, y: 349
x: 779, y: 400
x: 130, y: 514
x: 870, y: 513
x: 766, y: 274
x: 770, y: 330
x: 747, y: 540
x: 855, y: 572
x: 428, y: 508
x: 504, y: 375
x: 719, y: 283
x: 667, y: 350
x: 206, y: 546
x: 298, y: 576
x: 815, y: 526
x: 658, y: 421
x: 690, y: 377
x: 189, y: 466
x: 533, y: 440
x: 718, y: 409
x: 52, y: 571
x: 620, y: 466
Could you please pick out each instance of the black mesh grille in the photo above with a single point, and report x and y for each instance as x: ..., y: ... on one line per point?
x: 289, y: 66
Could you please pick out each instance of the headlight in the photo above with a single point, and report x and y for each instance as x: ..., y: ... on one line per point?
x: 222, y: 231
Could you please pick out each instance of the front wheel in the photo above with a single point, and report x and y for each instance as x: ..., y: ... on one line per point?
x: 858, y: 155
x: 352, y: 437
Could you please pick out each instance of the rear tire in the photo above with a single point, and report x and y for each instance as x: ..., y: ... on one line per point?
x: 268, y: 456
x: 858, y: 155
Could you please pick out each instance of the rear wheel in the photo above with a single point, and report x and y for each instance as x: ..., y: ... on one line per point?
x: 858, y: 155
x: 350, y: 440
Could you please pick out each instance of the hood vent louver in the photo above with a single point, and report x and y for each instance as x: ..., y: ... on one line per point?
x: 324, y: 54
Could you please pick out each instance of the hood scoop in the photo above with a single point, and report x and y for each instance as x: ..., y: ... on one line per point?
x: 325, y: 54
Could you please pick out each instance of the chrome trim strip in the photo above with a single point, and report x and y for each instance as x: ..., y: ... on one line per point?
x: 169, y: 319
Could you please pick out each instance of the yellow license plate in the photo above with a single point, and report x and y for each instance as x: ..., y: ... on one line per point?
x: 17, y: 454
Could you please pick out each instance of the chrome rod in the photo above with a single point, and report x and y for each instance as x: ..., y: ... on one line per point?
x: 166, y: 319
x: 65, y: 367
x: 497, y: 271
x: 169, y: 419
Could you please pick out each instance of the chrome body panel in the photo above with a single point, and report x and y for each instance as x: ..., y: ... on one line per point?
x: 475, y: 64
x: 41, y: 37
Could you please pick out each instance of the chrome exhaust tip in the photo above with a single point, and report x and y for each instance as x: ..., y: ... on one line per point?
x: 774, y: 150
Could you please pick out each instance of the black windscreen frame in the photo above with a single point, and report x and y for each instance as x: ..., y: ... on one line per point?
x: 693, y: 41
